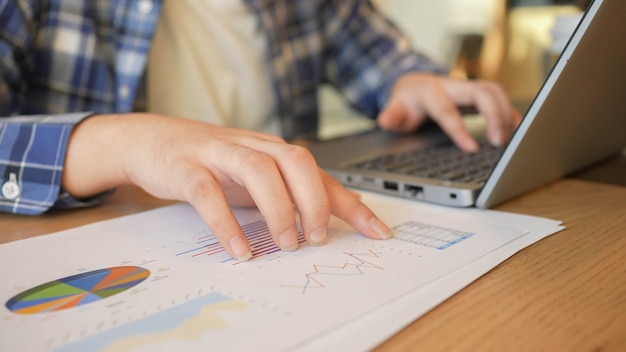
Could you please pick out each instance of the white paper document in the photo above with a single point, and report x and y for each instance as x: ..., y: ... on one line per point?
x: 160, y: 281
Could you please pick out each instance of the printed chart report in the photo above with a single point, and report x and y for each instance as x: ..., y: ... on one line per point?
x: 160, y: 281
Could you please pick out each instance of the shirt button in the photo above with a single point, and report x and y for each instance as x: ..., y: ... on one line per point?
x: 145, y: 6
x: 11, y: 189
x: 124, y: 91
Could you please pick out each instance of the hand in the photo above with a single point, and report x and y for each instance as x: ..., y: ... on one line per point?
x: 208, y: 166
x: 415, y: 97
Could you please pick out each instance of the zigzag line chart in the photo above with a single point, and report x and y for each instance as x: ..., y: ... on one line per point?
x: 355, y: 266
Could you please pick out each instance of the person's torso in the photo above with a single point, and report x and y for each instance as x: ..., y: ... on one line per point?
x: 209, y: 61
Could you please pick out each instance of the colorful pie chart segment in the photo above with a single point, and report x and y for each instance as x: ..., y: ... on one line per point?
x: 77, y: 290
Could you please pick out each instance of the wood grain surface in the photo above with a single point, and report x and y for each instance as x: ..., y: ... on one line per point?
x: 564, y: 293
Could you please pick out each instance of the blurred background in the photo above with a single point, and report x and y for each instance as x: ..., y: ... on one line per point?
x: 513, y: 42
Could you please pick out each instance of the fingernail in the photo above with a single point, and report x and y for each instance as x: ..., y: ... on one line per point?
x: 288, y: 241
x: 240, y: 249
x: 318, y: 237
x: 382, y: 230
x: 497, y: 139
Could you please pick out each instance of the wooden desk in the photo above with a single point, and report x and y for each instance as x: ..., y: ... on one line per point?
x: 564, y: 293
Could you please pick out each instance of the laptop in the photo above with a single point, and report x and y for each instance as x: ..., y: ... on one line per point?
x: 578, y: 118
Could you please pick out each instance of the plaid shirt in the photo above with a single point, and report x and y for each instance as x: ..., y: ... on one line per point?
x: 61, y: 59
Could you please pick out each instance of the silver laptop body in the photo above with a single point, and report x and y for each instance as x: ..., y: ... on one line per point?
x: 578, y: 118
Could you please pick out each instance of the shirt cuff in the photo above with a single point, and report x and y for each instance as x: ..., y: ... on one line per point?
x: 32, y: 155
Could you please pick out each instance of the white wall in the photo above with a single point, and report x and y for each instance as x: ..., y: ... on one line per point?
x: 434, y: 25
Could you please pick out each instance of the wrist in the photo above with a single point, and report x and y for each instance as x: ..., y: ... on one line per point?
x: 96, y: 155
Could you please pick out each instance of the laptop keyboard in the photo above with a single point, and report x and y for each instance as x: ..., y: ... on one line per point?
x: 444, y: 163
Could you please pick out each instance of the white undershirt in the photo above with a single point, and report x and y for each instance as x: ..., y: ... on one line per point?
x: 208, y: 62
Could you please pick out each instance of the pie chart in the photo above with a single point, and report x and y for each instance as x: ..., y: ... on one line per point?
x: 77, y: 290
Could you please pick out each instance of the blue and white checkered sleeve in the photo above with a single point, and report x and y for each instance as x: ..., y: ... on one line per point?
x: 32, y: 153
x: 367, y: 53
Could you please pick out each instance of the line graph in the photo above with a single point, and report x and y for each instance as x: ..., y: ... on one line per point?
x: 355, y: 266
x: 257, y: 233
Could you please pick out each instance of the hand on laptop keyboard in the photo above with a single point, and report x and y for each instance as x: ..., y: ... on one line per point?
x: 417, y: 97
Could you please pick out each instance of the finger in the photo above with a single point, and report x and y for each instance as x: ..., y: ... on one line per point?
x: 439, y: 105
x: 498, y: 120
x: 238, y: 196
x: 399, y: 117
x: 491, y: 101
x: 350, y: 209
x: 517, y: 117
x: 257, y: 172
x: 202, y: 191
x: 306, y: 188
x: 494, y: 105
x: 356, y: 195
